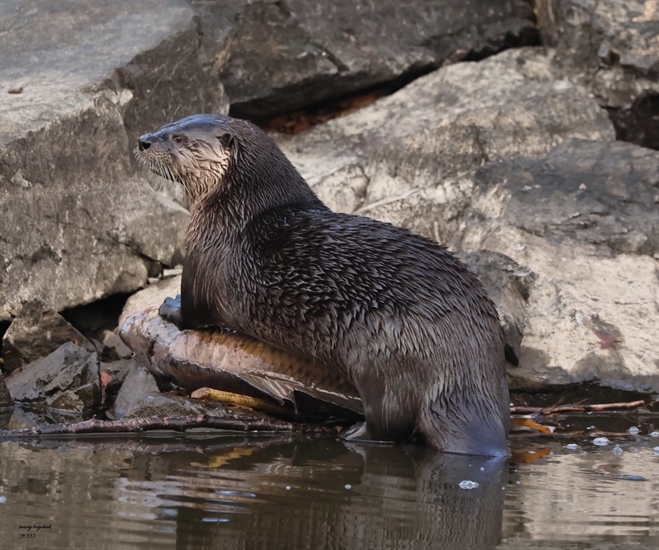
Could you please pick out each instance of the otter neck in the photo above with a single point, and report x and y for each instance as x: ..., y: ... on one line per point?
x: 246, y: 192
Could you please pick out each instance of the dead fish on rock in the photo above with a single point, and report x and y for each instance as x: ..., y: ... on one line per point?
x: 232, y: 362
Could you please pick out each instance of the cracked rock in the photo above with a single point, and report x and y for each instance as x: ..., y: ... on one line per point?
x: 276, y: 56
x: 79, y: 221
x: 612, y: 47
x: 70, y: 370
x: 36, y: 332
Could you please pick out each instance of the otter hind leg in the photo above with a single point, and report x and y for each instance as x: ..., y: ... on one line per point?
x: 386, y: 420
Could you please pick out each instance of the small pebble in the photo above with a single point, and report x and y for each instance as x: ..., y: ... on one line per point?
x: 572, y: 446
x: 617, y: 450
x: 654, y: 434
x: 601, y: 441
x: 633, y: 430
x: 466, y: 484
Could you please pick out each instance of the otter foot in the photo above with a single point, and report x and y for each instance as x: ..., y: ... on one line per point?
x: 358, y: 433
x: 170, y: 310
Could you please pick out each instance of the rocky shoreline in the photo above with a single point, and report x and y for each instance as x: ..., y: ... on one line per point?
x: 523, y: 135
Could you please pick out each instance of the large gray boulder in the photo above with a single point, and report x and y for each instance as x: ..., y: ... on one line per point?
x: 79, y: 222
x: 585, y: 218
x: 275, y: 56
x: 505, y: 155
x: 611, y: 46
x: 406, y: 159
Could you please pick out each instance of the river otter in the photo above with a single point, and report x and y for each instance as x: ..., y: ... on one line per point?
x: 395, y: 313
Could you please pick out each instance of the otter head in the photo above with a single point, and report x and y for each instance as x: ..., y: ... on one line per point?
x: 195, y: 152
x: 226, y: 164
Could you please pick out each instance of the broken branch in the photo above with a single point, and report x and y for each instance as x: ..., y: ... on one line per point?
x: 577, y: 408
x: 177, y: 423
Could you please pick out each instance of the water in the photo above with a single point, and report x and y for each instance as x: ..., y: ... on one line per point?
x: 271, y: 492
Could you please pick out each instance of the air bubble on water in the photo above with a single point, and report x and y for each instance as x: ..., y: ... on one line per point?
x: 519, y: 482
x: 601, y: 441
x: 466, y: 484
x: 3, y: 499
x: 656, y: 450
x: 633, y: 430
x: 348, y: 486
x: 590, y: 428
x: 572, y: 446
x: 617, y: 450
x: 288, y: 487
x: 482, y: 469
x: 654, y: 434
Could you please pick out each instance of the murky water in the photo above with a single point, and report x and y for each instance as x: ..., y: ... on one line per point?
x: 270, y: 492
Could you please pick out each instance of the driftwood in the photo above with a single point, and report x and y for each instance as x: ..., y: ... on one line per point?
x: 177, y: 423
x: 556, y: 409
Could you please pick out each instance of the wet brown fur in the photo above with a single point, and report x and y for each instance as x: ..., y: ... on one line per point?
x: 397, y: 314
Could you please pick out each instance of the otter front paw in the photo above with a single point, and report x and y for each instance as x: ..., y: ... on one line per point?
x: 170, y: 310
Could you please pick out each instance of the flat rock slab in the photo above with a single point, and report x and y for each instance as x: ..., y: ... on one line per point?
x: 406, y: 158
x: 79, y: 222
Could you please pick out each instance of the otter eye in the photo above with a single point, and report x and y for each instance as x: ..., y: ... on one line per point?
x: 225, y: 140
x: 177, y: 138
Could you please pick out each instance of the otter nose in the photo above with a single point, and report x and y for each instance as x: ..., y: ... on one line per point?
x: 144, y: 142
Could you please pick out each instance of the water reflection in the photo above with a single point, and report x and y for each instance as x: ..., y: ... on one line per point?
x: 249, y: 493
x: 238, y: 492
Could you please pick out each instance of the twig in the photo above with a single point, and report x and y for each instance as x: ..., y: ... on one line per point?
x: 577, y: 408
x: 177, y: 423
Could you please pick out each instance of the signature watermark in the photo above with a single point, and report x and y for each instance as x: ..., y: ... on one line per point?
x: 30, y: 531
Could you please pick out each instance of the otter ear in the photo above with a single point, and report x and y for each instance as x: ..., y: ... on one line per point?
x: 229, y: 141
